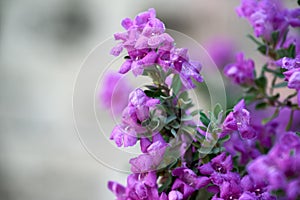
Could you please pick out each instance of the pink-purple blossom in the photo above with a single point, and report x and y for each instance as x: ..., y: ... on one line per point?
x: 268, y: 16
x: 137, y: 111
x: 239, y: 120
x: 147, y: 44
x: 242, y: 71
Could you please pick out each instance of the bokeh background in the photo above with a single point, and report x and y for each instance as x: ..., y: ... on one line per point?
x: 42, y: 45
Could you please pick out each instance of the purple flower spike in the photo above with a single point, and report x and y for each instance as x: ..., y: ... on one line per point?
x: 147, y: 44
x: 242, y: 71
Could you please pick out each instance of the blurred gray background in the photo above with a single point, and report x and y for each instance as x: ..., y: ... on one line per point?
x: 42, y: 45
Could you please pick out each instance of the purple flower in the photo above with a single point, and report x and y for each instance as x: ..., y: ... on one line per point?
x: 293, y: 17
x: 137, y: 111
x: 185, y: 189
x: 293, y: 73
x: 139, y: 186
x: 147, y: 44
x: 151, y: 159
x: 143, y: 36
x: 175, y: 195
x: 292, y: 191
x: 219, y: 169
x: 265, y: 16
x: 230, y: 190
x: 118, y: 189
x: 188, y: 181
x: 242, y: 71
x: 294, y: 81
x: 239, y: 120
x: 255, y: 190
x: 114, y: 92
x: 219, y: 164
x: 281, y: 166
x: 244, y: 149
x: 178, y: 60
x: 122, y: 137
x: 288, y: 63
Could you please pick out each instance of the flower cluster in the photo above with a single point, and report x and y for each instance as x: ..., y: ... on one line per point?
x: 268, y: 16
x: 147, y: 44
x: 248, y: 152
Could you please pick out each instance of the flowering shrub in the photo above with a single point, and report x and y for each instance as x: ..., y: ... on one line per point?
x: 251, y: 151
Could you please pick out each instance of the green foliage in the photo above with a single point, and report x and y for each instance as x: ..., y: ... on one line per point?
x: 204, y: 119
x: 176, y: 84
x: 280, y: 85
x: 261, y: 83
x: 261, y: 105
x: 275, y: 114
x: 262, y: 49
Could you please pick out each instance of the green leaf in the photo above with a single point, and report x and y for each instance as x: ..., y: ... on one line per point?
x: 174, y: 133
x: 282, y: 53
x: 176, y: 84
x: 195, y: 112
x: 254, y: 40
x: 274, y: 97
x: 251, y: 90
x: 203, y: 128
x: 184, y: 95
x: 217, y: 110
x: 170, y: 119
x: 277, y: 72
x: 262, y: 49
x: 275, y: 114
x: 275, y: 36
x: 165, y: 186
x: 261, y: 106
x: 185, y: 104
x: 224, y: 139
x: 292, y: 51
x: 204, y: 119
x: 228, y: 111
x: 299, y: 2
x: 186, y: 118
x: 261, y: 83
x: 153, y: 93
x: 280, y: 85
x: 250, y: 98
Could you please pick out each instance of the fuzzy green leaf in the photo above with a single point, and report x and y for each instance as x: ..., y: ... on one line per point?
x: 280, y: 85
x: 261, y: 106
x: 217, y: 110
x: 262, y: 49
x: 204, y: 119
x: 176, y: 84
